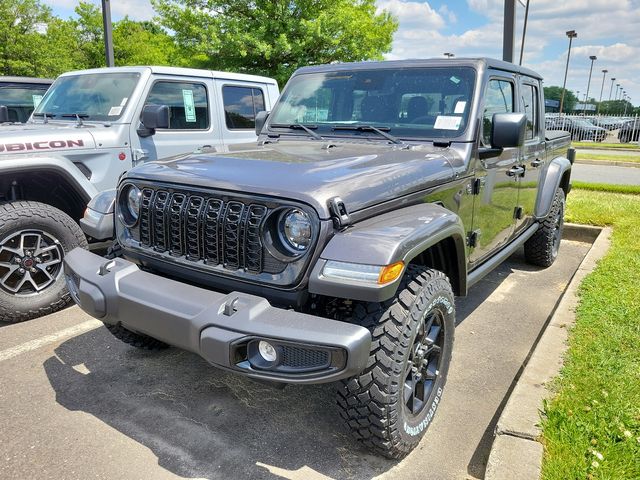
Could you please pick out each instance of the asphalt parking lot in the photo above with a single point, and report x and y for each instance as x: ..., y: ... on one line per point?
x: 78, y: 404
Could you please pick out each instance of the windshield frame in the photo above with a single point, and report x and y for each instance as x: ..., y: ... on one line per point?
x: 396, y: 128
x: 121, y: 107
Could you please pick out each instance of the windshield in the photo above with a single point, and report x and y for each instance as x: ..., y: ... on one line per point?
x: 100, y: 97
x: 21, y: 99
x: 425, y: 102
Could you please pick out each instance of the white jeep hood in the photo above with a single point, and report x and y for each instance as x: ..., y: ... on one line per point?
x: 44, y: 137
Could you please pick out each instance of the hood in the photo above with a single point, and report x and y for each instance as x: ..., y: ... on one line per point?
x: 44, y: 137
x: 312, y: 172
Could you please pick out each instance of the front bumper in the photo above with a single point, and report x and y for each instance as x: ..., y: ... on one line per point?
x: 223, y: 329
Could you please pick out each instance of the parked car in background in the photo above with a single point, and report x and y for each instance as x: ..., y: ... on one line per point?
x: 579, y: 128
x: 630, y: 131
x: 91, y: 127
x: 20, y: 95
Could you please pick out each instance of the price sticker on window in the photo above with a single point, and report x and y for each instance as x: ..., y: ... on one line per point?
x: 189, y: 106
x: 36, y: 100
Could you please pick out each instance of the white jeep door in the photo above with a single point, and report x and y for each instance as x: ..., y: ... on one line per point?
x: 193, y: 121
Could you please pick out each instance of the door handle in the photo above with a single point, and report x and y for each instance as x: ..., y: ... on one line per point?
x: 516, y: 171
x: 536, y: 163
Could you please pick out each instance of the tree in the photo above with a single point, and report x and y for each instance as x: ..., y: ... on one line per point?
x: 555, y: 93
x: 22, y: 41
x: 274, y: 37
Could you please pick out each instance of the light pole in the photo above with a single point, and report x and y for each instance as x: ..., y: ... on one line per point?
x: 617, y: 87
x: 604, y: 74
x: 593, y: 58
x: 571, y: 34
x: 448, y: 55
x: 108, y: 33
x: 613, y: 79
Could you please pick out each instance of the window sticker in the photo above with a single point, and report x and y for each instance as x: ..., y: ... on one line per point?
x: 36, y: 100
x: 189, y: 106
x: 124, y: 101
x: 460, y: 107
x: 444, y: 122
x: 455, y: 80
x: 114, y: 111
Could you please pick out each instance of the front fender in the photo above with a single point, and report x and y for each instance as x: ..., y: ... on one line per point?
x: 60, y: 165
x: 549, y: 183
x: 400, y: 235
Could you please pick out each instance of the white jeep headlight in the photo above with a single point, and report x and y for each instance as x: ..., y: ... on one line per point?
x: 129, y: 204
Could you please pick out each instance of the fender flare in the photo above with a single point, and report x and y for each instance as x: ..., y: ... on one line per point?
x: 549, y: 183
x: 59, y: 165
x: 400, y: 235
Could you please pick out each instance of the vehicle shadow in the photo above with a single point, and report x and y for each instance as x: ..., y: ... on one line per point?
x: 202, y: 422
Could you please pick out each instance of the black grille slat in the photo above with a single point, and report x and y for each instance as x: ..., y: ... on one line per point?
x: 252, y: 240
x: 232, y: 234
x: 145, y: 221
x: 211, y: 231
x: 207, y: 228
x: 175, y: 223
x: 158, y: 213
x: 193, y: 232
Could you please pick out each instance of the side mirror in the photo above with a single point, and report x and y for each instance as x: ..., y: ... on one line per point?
x: 261, y: 119
x: 4, y: 114
x: 153, y: 116
x: 508, y: 130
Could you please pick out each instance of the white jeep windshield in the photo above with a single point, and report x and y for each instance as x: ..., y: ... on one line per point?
x: 425, y: 102
x: 98, y: 97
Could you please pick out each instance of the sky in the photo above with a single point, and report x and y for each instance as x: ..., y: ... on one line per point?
x: 608, y: 29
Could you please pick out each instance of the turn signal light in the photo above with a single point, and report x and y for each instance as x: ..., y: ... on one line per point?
x: 389, y: 273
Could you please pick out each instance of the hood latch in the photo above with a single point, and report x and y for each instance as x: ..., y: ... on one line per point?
x: 339, y: 213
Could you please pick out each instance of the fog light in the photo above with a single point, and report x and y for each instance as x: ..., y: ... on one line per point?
x: 267, y: 351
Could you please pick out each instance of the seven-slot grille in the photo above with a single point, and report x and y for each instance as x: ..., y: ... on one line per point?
x: 203, y: 227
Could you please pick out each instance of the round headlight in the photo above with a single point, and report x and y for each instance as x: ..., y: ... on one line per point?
x: 130, y: 205
x: 295, y: 230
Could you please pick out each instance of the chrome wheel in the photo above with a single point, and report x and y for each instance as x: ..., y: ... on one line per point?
x: 30, y: 261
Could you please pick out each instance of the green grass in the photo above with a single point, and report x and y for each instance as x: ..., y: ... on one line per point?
x: 620, y: 146
x: 608, y: 158
x: 607, y: 187
x: 591, y: 428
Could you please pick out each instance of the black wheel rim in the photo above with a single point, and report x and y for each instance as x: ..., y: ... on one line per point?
x: 30, y: 261
x: 423, y: 366
x: 557, y: 233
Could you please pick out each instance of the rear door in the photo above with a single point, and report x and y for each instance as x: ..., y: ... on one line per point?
x: 534, y: 149
x: 241, y: 101
x: 495, y: 203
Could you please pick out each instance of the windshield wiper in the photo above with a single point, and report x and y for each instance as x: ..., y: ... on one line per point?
x: 77, y: 116
x: 299, y: 126
x: 369, y: 128
x: 44, y: 114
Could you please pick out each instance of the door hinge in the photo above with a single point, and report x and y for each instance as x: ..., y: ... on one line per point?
x: 139, y: 155
x: 518, y: 212
x: 339, y: 212
x: 476, y: 186
x: 472, y: 238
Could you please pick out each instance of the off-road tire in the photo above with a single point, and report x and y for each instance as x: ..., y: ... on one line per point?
x: 26, y: 215
x: 372, y: 404
x: 134, y: 339
x: 542, y: 248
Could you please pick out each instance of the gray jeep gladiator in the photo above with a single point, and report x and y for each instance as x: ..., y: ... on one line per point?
x: 332, y: 250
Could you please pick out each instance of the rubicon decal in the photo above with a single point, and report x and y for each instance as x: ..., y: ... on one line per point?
x: 43, y: 145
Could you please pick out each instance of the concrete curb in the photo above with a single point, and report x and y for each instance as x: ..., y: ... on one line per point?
x: 516, y: 452
x: 607, y: 162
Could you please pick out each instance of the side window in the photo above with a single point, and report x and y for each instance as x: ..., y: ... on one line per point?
x: 188, y: 105
x: 498, y: 99
x: 241, y: 104
x: 530, y: 105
